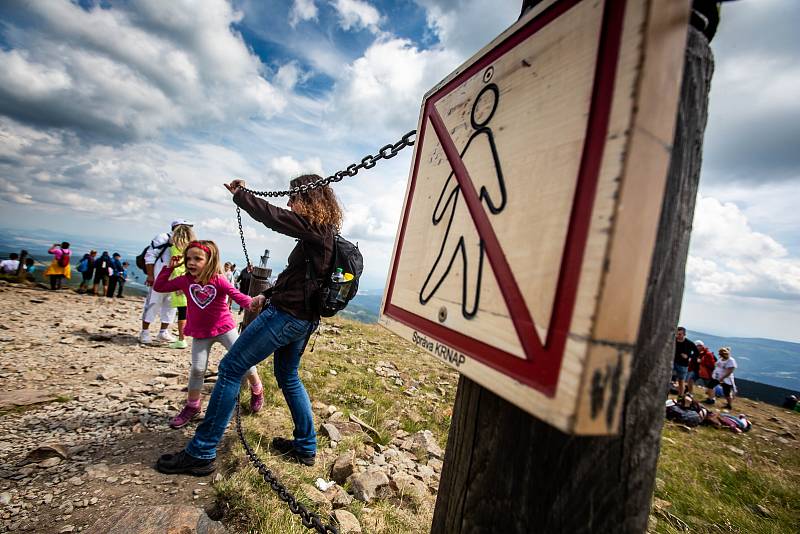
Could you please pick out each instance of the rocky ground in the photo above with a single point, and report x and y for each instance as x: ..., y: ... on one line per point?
x: 83, y: 413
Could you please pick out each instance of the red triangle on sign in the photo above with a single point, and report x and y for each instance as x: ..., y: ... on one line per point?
x: 541, y: 366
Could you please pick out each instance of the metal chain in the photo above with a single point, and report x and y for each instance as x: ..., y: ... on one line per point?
x: 310, y: 520
x: 367, y: 162
x: 241, y: 234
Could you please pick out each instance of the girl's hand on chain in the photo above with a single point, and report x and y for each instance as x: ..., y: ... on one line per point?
x: 257, y: 303
x: 175, y: 260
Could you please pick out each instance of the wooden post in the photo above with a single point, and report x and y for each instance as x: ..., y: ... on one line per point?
x: 259, y: 281
x: 506, y: 471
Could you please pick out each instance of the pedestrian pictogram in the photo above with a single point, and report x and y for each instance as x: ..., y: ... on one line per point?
x: 507, y: 257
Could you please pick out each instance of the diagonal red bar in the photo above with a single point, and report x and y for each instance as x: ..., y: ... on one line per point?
x: 518, y: 310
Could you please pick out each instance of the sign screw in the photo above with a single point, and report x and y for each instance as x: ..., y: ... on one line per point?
x: 442, y: 314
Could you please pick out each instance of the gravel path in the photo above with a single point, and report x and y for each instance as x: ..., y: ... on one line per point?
x: 87, y: 448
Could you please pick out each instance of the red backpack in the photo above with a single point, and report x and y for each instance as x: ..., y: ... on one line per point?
x: 63, y: 261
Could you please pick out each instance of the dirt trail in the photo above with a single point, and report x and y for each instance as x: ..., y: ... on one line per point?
x: 104, y: 402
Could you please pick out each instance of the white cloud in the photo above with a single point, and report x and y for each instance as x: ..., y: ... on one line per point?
x: 289, y: 75
x: 131, y: 71
x: 722, y: 230
x: 24, y: 78
x: 286, y: 167
x: 228, y: 227
x: 465, y: 26
x: 727, y: 257
x: 116, y: 182
x: 302, y: 10
x: 357, y: 14
x: 382, y: 90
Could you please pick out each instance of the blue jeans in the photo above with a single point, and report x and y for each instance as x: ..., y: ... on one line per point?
x: 273, y: 331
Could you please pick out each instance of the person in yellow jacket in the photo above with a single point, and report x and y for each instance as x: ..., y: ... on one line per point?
x: 179, y: 242
x: 59, y: 267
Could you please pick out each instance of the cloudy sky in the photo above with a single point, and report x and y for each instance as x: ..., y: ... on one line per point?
x: 116, y: 117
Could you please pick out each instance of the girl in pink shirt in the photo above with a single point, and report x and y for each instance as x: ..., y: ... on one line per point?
x: 208, y: 318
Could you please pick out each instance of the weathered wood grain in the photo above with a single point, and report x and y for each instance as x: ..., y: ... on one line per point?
x: 564, y: 123
x: 506, y: 471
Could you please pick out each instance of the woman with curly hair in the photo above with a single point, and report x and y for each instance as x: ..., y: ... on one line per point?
x: 282, y: 329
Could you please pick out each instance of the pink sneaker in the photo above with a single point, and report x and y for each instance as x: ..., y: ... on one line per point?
x: 256, y: 401
x: 183, y: 418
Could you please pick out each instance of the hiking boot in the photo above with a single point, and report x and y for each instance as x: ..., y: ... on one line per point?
x: 165, y: 337
x: 144, y: 338
x: 286, y: 447
x: 256, y: 401
x: 178, y: 344
x: 182, y: 463
x: 710, y: 401
x: 182, y: 419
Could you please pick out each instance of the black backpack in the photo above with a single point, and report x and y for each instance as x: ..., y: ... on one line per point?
x: 140, y: 258
x: 331, y: 297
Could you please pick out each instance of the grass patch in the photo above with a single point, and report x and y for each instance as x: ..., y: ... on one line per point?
x: 711, y: 487
x: 351, y: 350
x: 702, y: 485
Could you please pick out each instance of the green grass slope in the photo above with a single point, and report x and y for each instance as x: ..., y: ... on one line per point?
x: 708, y: 480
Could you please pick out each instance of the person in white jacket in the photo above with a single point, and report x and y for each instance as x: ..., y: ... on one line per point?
x: 160, y: 304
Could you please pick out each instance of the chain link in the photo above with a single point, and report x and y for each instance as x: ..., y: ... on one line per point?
x: 369, y: 161
x: 310, y: 520
x: 241, y: 233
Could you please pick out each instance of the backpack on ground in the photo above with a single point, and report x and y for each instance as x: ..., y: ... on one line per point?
x: 683, y: 416
x: 339, y: 283
x: 83, y: 266
x: 63, y: 261
x: 140, y: 258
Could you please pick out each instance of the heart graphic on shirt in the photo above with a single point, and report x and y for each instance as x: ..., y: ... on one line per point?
x: 202, y: 295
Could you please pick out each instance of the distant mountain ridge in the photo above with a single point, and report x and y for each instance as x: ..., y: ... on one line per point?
x: 759, y: 359
x: 365, y: 307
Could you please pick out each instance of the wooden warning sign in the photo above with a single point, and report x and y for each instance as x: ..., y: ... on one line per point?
x: 531, y: 209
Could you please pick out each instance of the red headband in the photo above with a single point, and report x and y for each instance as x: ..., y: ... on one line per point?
x: 197, y: 244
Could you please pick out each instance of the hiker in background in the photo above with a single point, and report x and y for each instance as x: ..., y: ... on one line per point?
x: 228, y: 274
x: 86, y: 268
x: 101, y: 267
x: 180, y: 240
x: 282, y: 329
x: 723, y: 376
x: 30, y: 268
x: 694, y: 368
x: 685, y: 350
x: 209, y: 320
x: 159, y: 304
x: 114, y: 274
x: 59, y: 267
x: 232, y: 279
x: 123, y: 277
x: 243, y: 282
x: 707, y: 363
x: 10, y: 265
